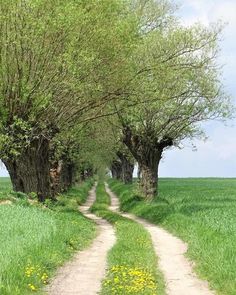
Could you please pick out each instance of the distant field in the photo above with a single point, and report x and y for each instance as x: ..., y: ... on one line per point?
x: 5, y: 187
x: 202, y: 211
x: 35, y: 240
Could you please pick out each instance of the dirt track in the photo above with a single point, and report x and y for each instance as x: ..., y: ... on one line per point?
x: 176, y: 268
x: 84, y: 274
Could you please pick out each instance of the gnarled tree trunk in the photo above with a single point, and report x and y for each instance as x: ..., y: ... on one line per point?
x: 147, y: 151
x: 16, y: 181
x: 149, y: 170
x: 29, y: 172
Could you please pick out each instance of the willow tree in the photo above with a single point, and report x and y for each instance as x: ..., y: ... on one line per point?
x: 175, y: 86
x: 55, y: 60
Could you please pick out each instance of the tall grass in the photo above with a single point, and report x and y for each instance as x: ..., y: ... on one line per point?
x: 34, y: 241
x: 200, y: 211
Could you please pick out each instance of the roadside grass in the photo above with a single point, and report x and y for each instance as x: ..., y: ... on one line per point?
x: 80, y: 191
x: 132, y: 261
x: 35, y: 240
x: 202, y: 212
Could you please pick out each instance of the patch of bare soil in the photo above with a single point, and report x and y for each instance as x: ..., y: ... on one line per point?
x: 5, y: 202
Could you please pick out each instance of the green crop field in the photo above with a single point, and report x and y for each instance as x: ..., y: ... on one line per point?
x: 200, y: 211
x: 5, y: 188
x: 35, y: 240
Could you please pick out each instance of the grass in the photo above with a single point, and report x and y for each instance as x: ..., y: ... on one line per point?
x: 132, y: 261
x: 200, y: 211
x: 80, y: 192
x: 35, y: 240
x: 5, y: 188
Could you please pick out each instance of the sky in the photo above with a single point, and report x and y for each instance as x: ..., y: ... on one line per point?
x: 215, y: 157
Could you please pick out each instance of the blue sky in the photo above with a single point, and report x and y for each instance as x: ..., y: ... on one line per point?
x: 217, y: 156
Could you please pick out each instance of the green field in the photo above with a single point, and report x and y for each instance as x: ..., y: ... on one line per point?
x: 35, y: 240
x: 203, y: 213
x: 5, y: 188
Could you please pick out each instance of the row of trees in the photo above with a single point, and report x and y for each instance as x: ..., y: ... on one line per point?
x: 87, y: 85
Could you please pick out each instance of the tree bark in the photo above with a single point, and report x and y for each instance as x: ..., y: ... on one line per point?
x: 59, y: 177
x: 148, y: 154
x: 127, y: 173
x: 149, y: 170
x: 29, y: 172
x: 127, y: 168
x: 139, y: 174
x: 67, y: 176
x: 17, y: 184
x: 116, y: 170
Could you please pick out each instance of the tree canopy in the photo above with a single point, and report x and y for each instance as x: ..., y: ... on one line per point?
x: 87, y: 84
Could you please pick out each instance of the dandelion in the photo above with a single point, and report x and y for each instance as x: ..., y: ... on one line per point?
x: 32, y: 287
x: 130, y: 280
x: 44, y: 278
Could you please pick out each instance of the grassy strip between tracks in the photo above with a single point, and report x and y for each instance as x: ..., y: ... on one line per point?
x: 132, y: 261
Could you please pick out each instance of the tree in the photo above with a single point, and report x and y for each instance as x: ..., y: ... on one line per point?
x: 56, y: 57
x: 122, y: 167
x: 175, y: 87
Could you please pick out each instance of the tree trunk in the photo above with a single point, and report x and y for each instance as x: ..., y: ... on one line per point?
x: 55, y: 176
x: 82, y: 175
x: 127, y: 173
x: 67, y: 176
x: 139, y: 173
x: 149, y: 171
x: 127, y: 168
x: 29, y: 172
x: 148, y: 154
x: 116, y: 170
x: 90, y: 172
x: 17, y: 184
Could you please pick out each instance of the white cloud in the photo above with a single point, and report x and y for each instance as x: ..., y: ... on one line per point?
x: 222, y: 145
x: 208, y: 11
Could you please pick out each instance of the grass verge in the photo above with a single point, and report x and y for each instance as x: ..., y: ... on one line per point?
x: 132, y: 261
x: 202, y: 213
x: 35, y: 240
